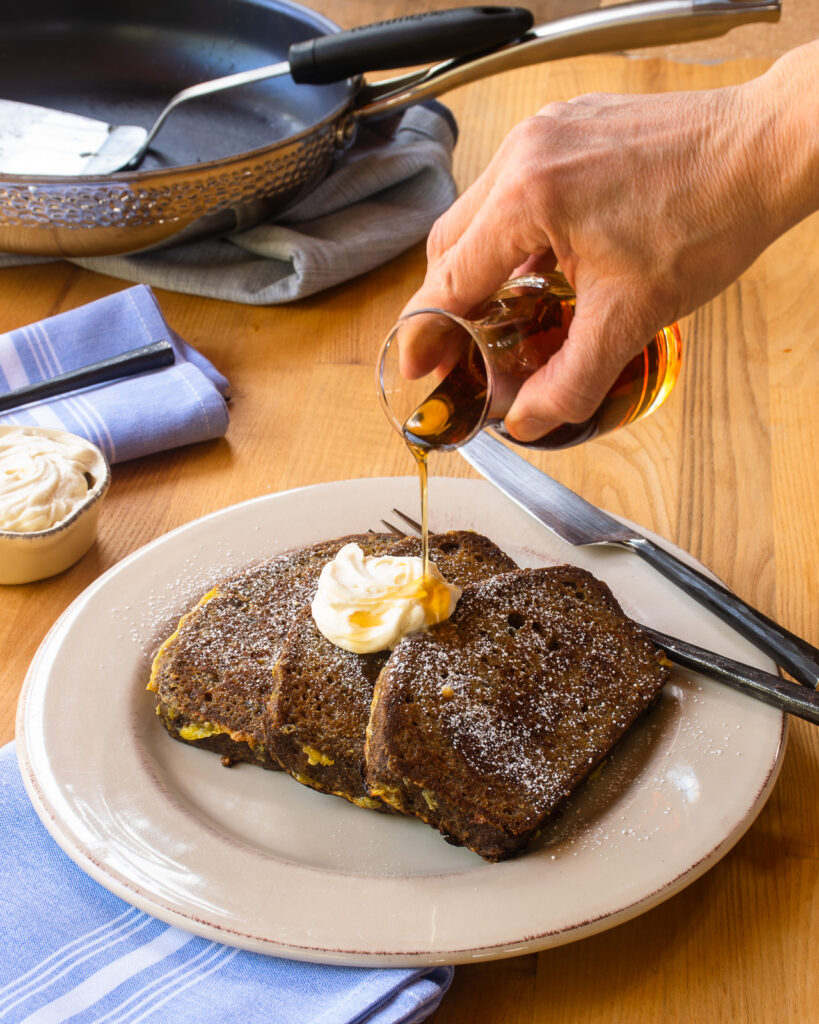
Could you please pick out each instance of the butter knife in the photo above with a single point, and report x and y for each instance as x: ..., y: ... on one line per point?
x: 578, y: 522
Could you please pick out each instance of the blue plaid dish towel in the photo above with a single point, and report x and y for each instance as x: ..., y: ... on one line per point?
x: 73, y: 953
x: 381, y: 197
x: 129, y: 417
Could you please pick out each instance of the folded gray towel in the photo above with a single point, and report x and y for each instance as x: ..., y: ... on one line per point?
x: 381, y: 197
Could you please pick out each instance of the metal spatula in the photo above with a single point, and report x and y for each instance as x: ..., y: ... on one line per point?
x: 38, y: 140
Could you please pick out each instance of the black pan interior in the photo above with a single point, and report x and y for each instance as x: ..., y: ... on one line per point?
x: 121, y: 61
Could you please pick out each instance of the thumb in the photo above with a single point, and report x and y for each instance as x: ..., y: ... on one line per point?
x: 570, y: 387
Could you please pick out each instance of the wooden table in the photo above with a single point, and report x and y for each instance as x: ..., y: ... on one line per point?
x: 727, y: 470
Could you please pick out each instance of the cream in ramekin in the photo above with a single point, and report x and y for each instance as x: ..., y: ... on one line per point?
x: 51, y: 486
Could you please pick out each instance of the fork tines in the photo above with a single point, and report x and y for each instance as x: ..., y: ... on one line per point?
x: 393, y: 529
x: 408, y: 520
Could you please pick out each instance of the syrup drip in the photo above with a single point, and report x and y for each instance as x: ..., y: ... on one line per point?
x: 420, y: 455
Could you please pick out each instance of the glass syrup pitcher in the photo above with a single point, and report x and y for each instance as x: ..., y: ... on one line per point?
x: 486, y: 357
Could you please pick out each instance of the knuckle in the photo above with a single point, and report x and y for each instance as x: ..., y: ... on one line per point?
x: 436, y: 240
x: 591, y: 99
x: 544, y: 160
x: 556, y: 110
x: 449, y: 274
x: 528, y: 137
x: 531, y: 162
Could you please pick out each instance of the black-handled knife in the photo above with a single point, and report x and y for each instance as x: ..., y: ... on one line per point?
x: 153, y: 356
x: 578, y: 522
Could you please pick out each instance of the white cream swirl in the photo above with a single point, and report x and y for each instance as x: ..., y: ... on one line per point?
x: 42, y: 479
x: 366, y: 603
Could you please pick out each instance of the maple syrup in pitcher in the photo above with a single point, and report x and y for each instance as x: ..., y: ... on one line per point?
x: 480, y: 363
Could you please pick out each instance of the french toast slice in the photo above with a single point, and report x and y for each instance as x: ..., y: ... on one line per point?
x: 484, y: 725
x: 320, y: 703
x: 214, y: 674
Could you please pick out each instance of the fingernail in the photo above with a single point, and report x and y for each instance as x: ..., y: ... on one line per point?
x: 530, y: 429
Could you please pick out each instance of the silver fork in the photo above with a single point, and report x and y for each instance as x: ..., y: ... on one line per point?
x: 414, y: 524
x: 764, y: 686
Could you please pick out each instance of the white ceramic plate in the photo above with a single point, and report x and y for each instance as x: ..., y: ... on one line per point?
x: 251, y: 858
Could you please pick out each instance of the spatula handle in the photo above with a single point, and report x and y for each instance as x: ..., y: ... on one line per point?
x: 789, y: 651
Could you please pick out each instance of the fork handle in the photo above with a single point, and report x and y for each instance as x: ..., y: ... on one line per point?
x: 789, y: 651
x: 770, y: 689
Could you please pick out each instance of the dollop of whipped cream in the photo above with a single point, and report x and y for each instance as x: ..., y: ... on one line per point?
x: 366, y: 603
x: 42, y: 479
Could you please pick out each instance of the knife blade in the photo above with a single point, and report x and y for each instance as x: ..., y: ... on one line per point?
x: 578, y: 522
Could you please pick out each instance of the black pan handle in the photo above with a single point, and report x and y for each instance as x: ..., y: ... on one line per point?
x: 789, y: 651
x: 415, y: 39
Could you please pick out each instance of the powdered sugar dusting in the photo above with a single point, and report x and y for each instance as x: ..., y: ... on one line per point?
x: 519, y: 696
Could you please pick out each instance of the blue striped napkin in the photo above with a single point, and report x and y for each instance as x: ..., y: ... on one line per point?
x: 73, y: 953
x: 127, y: 418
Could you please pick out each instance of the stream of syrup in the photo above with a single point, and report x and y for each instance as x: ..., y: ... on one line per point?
x: 446, y: 417
x: 420, y: 455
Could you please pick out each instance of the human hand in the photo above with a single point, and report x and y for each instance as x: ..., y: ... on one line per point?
x: 651, y: 205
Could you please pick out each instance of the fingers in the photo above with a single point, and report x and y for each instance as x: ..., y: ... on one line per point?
x: 603, y: 337
x: 449, y: 231
x: 492, y: 229
x: 455, y: 279
x: 456, y: 282
x: 428, y: 342
x: 498, y: 223
x: 421, y: 346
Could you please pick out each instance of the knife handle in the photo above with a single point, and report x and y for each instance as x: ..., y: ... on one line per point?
x: 153, y: 356
x: 789, y: 651
x: 770, y: 689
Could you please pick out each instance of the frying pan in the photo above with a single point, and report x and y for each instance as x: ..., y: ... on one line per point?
x: 240, y: 157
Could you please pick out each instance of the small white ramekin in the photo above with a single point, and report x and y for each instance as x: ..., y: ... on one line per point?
x: 25, y: 557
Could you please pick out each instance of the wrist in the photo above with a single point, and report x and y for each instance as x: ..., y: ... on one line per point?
x: 783, y: 108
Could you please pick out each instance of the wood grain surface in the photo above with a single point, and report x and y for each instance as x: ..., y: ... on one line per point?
x: 726, y: 469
